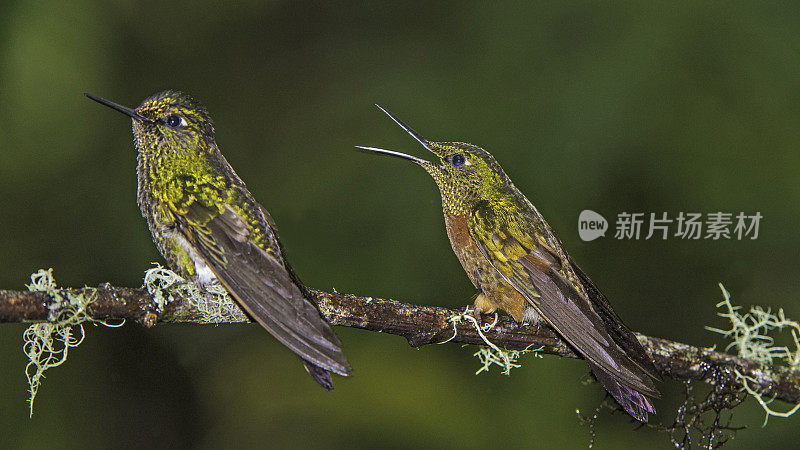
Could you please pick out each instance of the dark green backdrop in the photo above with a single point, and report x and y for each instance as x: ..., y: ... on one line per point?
x: 630, y: 107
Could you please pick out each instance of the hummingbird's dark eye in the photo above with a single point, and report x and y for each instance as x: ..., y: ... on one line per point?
x: 458, y: 160
x: 174, y: 120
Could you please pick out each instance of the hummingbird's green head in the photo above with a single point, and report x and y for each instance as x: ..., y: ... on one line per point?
x: 465, y: 173
x: 167, y: 121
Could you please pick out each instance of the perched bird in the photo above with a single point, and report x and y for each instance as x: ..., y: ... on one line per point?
x: 209, y: 227
x: 519, y: 265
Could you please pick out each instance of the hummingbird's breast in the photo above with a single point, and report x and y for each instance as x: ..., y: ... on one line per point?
x: 497, y: 293
x: 176, y: 250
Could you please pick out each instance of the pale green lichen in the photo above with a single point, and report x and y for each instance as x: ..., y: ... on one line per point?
x: 750, y: 335
x: 47, y: 344
x: 490, y: 354
x: 211, y: 301
x: 506, y: 359
x: 764, y: 403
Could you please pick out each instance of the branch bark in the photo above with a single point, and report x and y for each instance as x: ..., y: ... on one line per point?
x: 421, y: 325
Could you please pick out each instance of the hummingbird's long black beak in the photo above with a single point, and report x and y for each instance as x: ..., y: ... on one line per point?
x: 408, y: 129
x: 124, y: 110
x: 381, y: 151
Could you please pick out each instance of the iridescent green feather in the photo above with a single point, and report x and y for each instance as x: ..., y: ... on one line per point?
x: 518, y: 250
x: 208, y: 226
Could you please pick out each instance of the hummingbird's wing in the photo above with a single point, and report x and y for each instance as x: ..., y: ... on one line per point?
x: 620, y: 333
x: 535, y: 270
x: 259, y: 281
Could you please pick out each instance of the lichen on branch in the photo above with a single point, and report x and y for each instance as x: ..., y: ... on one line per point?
x: 420, y: 325
x: 752, y: 335
x: 47, y: 344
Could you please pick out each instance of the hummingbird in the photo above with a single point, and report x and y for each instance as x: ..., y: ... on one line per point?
x: 208, y: 227
x: 518, y: 264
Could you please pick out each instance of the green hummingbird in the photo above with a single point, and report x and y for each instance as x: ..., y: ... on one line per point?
x: 209, y: 227
x: 519, y: 265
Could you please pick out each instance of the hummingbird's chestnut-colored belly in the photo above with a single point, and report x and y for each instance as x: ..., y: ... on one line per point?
x: 513, y: 257
x: 495, y: 292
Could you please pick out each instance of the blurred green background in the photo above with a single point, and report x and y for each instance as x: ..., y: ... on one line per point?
x: 618, y: 107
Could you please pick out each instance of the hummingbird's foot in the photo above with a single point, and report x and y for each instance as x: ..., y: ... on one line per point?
x: 455, y: 319
x: 478, y: 315
x: 458, y: 317
x: 482, y: 305
x: 489, y: 326
x: 473, y: 315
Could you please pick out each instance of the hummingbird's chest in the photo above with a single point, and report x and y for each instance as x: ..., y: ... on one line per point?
x: 157, y: 207
x: 479, y: 269
x: 179, y: 179
x: 495, y: 292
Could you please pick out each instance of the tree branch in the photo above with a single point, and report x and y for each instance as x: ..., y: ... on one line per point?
x: 420, y: 325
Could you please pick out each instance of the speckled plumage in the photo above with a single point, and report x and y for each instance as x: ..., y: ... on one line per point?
x: 209, y: 227
x: 178, y: 169
x: 519, y: 265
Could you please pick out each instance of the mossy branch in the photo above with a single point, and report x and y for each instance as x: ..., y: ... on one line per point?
x: 420, y: 325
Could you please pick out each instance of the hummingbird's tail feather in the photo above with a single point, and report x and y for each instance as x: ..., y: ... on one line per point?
x: 262, y: 286
x: 633, y: 402
x: 320, y: 375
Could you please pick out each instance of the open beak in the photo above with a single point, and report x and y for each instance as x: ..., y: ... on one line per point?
x: 408, y: 130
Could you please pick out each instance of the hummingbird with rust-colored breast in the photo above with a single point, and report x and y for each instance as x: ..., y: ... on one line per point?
x: 519, y: 265
x: 209, y: 227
